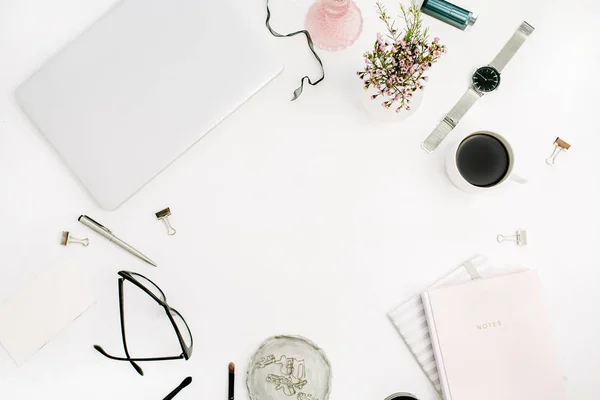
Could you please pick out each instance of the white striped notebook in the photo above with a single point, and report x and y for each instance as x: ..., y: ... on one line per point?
x: 409, y: 318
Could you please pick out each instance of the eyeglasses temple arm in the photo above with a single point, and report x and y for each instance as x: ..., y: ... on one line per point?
x: 178, y: 389
x: 100, y: 350
x: 122, y: 315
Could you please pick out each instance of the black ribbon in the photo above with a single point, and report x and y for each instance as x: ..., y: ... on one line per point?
x: 298, y: 91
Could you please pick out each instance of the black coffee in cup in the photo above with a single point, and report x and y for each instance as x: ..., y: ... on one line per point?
x: 482, y: 160
x: 401, y: 396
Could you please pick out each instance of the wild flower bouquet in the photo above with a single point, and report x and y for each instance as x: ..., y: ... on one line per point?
x: 399, y: 60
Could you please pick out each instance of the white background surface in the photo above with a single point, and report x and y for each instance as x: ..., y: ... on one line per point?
x: 310, y: 218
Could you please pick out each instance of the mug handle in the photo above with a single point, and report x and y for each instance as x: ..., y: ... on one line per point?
x: 518, y: 179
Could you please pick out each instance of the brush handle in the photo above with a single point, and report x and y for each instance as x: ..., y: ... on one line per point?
x: 231, y: 386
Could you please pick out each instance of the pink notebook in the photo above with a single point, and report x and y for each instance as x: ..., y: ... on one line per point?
x: 492, y: 340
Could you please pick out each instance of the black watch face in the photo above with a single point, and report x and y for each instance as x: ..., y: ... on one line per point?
x: 486, y: 79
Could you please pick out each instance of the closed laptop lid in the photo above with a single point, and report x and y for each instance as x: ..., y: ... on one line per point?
x: 142, y: 85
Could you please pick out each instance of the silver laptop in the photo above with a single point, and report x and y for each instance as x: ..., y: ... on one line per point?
x: 142, y: 85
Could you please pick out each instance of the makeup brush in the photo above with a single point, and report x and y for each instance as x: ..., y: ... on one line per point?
x: 231, y: 380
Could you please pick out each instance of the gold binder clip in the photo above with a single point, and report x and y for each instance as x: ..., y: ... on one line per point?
x: 164, y: 215
x: 559, y: 145
x: 66, y: 238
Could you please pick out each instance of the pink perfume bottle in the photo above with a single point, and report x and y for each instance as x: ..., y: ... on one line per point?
x: 334, y: 24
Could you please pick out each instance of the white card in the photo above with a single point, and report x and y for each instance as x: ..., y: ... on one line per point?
x: 42, y: 309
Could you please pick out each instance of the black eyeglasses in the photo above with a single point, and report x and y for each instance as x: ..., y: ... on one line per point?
x: 184, y: 335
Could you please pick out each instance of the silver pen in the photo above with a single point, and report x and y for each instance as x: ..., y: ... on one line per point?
x: 104, y: 231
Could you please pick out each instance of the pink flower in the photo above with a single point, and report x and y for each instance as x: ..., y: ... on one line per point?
x: 401, y: 62
x: 397, y: 110
x: 437, y: 53
x: 425, y: 78
x: 436, y: 39
x: 403, y: 43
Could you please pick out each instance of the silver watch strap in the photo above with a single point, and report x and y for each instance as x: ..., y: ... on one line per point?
x: 511, y: 47
x: 450, y: 120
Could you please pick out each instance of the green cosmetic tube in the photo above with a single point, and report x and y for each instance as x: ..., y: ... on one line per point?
x: 449, y: 13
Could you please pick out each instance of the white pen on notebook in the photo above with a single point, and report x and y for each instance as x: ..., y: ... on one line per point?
x: 104, y: 231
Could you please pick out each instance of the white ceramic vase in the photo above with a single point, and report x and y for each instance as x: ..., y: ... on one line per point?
x: 377, y: 111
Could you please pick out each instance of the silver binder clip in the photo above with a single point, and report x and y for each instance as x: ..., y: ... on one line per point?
x: 164, y: 215
x: 559, y: 145
x: 66, y: 238
x: 520, y: 237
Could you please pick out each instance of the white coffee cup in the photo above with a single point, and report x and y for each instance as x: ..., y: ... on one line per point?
x: 459, y: 181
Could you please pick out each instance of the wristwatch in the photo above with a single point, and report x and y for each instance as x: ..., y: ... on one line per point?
x: 485, y: 80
